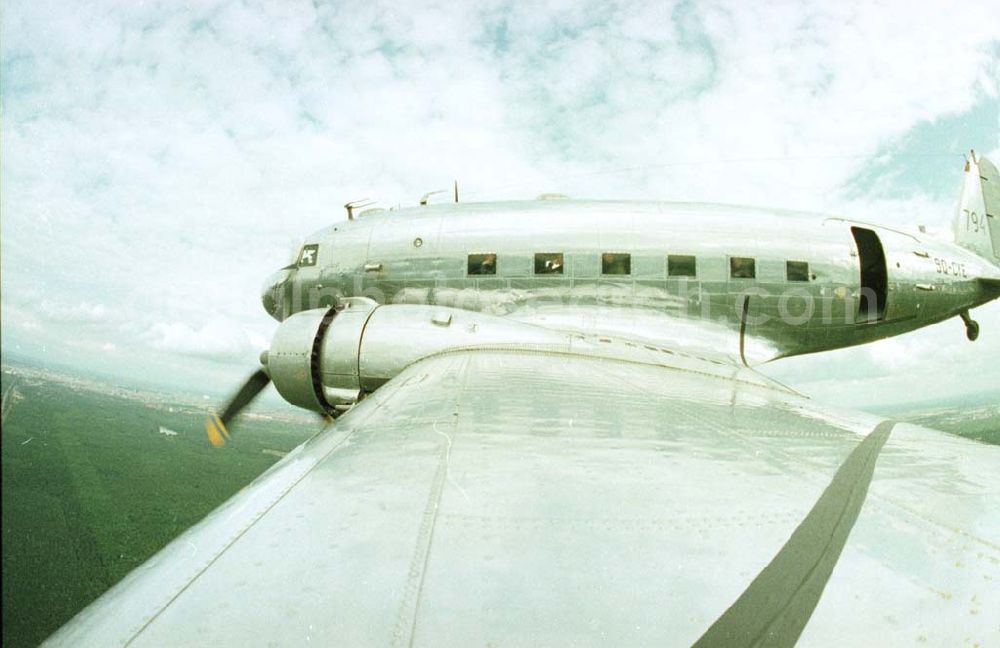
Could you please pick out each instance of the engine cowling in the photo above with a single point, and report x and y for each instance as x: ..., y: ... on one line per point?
x: 326, y: 359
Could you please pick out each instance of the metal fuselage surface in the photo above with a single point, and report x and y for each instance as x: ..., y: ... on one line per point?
x: 797, y: 282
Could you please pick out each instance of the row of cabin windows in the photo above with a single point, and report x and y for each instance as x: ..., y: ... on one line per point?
x: 615, y: 263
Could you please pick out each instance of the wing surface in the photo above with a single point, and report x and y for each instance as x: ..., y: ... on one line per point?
x: 497, y: 497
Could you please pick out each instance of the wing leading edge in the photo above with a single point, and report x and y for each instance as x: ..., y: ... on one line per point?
x: 540, y: 498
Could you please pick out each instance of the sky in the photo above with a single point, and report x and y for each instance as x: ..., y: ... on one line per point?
x: 159, y: 159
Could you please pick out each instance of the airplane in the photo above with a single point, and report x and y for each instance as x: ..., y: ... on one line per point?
x: 548, y: 430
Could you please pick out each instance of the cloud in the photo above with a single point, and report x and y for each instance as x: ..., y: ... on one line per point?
x: 82, y: 313
x: 215, y: 340
x: 156, y: 158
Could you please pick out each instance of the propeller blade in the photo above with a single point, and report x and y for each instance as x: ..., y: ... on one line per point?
x: 215, y: 425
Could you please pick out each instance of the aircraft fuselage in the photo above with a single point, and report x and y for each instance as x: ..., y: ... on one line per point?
x: 801, y: 282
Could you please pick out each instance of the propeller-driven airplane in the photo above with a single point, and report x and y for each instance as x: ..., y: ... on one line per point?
x: 549, y: 432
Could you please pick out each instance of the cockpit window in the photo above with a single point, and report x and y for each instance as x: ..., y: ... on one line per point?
x: 742, y: 267
x: 549, y: 263
x: 308, y: 255
x: 681, y: 265
x: 613, y: 263
x: 482, y: 264
x: 797, y: 270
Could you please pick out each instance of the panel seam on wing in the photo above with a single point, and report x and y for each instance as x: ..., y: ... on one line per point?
x: 242, y: 531
x: 406, y: 623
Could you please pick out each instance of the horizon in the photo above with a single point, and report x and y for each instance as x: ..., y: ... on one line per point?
x: 272, y: 401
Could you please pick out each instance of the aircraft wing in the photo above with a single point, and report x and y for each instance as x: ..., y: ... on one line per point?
x: 507, y: 498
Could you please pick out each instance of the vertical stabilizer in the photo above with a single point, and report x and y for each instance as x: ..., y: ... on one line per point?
x: 977, y: 221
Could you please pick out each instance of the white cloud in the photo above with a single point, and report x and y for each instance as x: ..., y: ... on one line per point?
x: 156, y: 158
x: 214, y: 340
x: 83, y: 313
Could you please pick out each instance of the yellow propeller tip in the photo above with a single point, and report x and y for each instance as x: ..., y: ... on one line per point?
x: 216, y: 430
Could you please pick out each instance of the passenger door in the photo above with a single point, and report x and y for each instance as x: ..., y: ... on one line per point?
x: 873, y: 293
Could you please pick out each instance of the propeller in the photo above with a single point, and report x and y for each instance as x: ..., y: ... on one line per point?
x: 215, y: 425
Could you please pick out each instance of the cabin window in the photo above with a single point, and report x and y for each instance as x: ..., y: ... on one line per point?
x: 797, y: 270
x: 613, y: 263
x: 482, y: 264
x: 548, y: 263
x: 681, y: 265
x: 742, y: 267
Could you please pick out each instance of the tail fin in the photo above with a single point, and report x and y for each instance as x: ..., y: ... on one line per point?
x: 977, y: 221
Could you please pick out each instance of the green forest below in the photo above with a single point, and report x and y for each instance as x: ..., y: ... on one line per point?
x: 92, y: 488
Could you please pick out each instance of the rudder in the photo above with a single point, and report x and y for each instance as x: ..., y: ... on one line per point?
x: 977, y: 220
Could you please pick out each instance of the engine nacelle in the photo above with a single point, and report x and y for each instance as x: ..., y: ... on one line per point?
x: 327, y: 359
